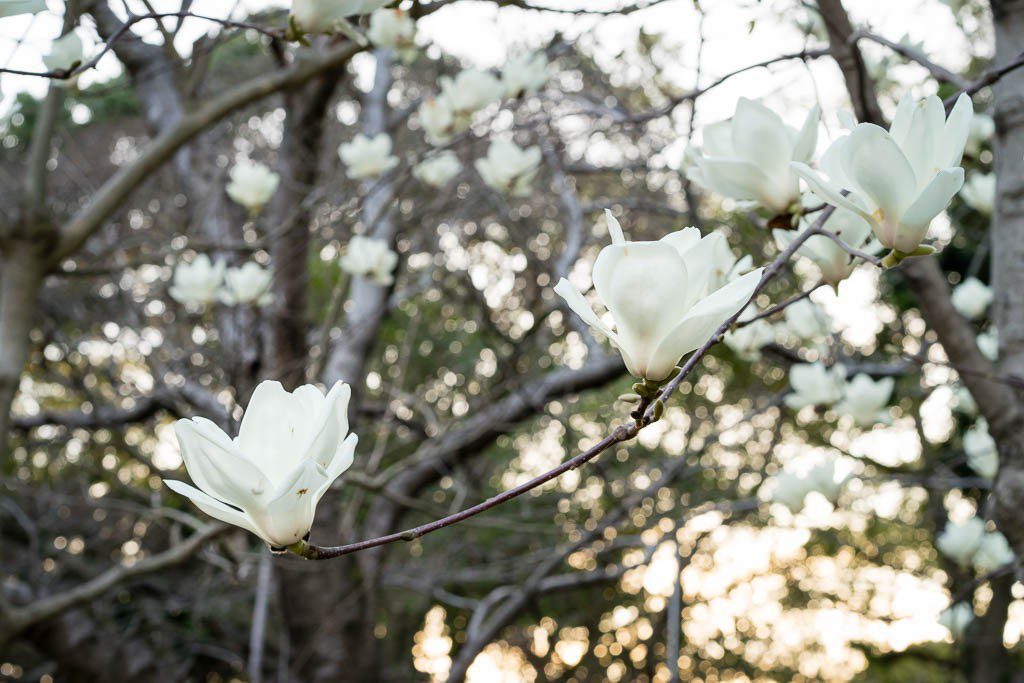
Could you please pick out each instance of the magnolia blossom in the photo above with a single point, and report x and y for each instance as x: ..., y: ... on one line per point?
x: 806, y: 320
x: 525, y: 74
x: 12, y: 8
x: 993, y: 552
x: 747, y: 341
x: 367, y: 157
x: 289, y: 450
x: 252, y: 185
x: 508, y: 168
x: 439, y: 169
x: 749, y: 156
x: 370, y: 258
x: 971, y: 297
x: 959, y: 542
x: 865, y: 400
x: 957, y: 618
x: 823, y: 479
x: 328, y: 16
x: 471, y: 90
x: 980, y: 447
x: 437, y: 119
x: 898, y: 180
x: 814, y: 384
x: 659, y: 297
x: 963, y: 402
x: 248, y: 284
x: 790, y: 489
x: 392, y: 28
x: 831, y: 259
x: 197, y: 283
x: 980, y: 192
x: 983, y: 127
x: 988, y: 343
x: 65, y: 52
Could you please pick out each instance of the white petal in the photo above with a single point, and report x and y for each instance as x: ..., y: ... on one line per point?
x: 614, y: 228
x: 287, y: 518
x: 581, y: 307
x: 957, y: 130
x: 734, y: 178
x: 212, y: 506
x: 278, y: 427
x: 701, y: 322
x: 828, y: 191
x: 214, y: 464
x: 334, y: 415
x: 932, y: 200
x: 878, y: 168
x: 807, y: 139
x: 760, y: 136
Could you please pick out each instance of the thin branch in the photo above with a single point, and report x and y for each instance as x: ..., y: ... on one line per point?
x: 940, y: 73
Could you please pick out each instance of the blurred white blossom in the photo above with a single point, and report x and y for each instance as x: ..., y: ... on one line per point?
x: 993, y: 552
x: 328, y: 16
x: 12, y: 8
x: 198, y: 282
x: 814, y: 384
x: 865, y: 400
x: 508, y: 168
x: 394, y: 29
x: 437, y: 170
x: 971, y: 297
x: 806, y: 321
x: 957, y: 618
x: 980, y: 447
x: 370, y: 258
x: 525, y: 73
x: 437, y: 119
x: 980, y: 192
x: 252, y: 185
x: 247, y: 284
x: 988, y: 343
x: 960, y: 541
x: 367, y: 157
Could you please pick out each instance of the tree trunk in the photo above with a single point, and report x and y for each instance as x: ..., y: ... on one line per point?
x: 1007, y: 234
x: 21, y: 274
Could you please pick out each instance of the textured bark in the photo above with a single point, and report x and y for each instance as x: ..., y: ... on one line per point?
x: 21, y: 273
x: 987, y: 655
x: 850, y: 61
x: 1007, y: 234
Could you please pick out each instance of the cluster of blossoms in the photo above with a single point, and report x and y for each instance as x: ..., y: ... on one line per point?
x: 792, y: 488
x: 969, y: 543
x: 252, y: 185
x: 203, y: 282
x: 862, y: 398
x: 370, y: 258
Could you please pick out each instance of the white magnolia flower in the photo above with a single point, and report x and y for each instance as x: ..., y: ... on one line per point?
x: 814, y: 384
x: 963, y: 402
x: 865, y: 400
x: 392, y: 28
x: 980, y: 447
x: 370, y: 258
x: 247, y: 284
x: 438, y: 169
x: 65, y: 52
x: 790, y: 489
x: 197, y: 283
x: 824, y: 479
x: 806, y: 320
x: 508, y: 168
x: 367, y: 157
x: 971, y: 297
x: 659, y: 297
x: 983, y: 127
x: 988, y: 343
x: 957, y: 618
x: 959, y: 542
x: 438, y: 120
x: 471, y: 90
x: 252, y: 185
x: 289, y: 450
x: 328, y: 16
x: 980, y: 192
x: 831, y: 259
x: 726, y: 266
x: 749, y: 156
x: 747, y: 341
x: 525, y: 74
x: 993, y: 552
x: 900, y: 179
x: 12, y: 8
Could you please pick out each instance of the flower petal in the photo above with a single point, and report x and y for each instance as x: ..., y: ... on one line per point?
x: 214, y: 464
x: 287, y: 518
x: 828, y: 191
x: 212, y: 506
x: 878, y: 168
x: 932, y: 200
x: 956, y: 132
x: 807, y: 139
x: 701, y: 322
x: 581, y: 307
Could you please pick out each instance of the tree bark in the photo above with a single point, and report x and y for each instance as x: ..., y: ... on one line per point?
x: 1007, y: 234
